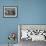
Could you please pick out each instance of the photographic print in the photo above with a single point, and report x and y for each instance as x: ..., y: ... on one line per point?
x: 32, y: 32
x: 10, y: 11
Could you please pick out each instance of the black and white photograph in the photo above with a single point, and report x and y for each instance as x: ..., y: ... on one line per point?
x: 10, y: 11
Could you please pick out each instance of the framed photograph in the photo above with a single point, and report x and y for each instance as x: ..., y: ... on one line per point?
x: 33, y: 32
x: 10, y: 11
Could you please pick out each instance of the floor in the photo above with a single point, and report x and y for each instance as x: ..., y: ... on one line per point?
x: 30, y: 43
x: 7, y: 45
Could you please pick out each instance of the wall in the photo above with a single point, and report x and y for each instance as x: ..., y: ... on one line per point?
x: 32, y: 11
x: 7, y: 25
x: 29, y: 12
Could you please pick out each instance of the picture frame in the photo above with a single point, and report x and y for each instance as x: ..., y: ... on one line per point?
x: 9, y: 11
x: 39, y: 28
